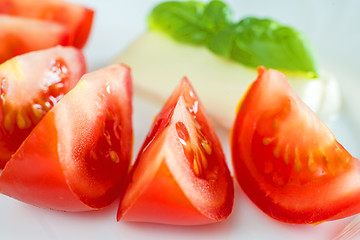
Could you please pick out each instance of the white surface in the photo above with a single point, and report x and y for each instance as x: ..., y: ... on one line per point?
x: 333, y: 28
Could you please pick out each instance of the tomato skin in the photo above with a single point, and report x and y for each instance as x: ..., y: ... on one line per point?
x: 77, y: 157
x: 36, y: 176
x: 28, y: 91
x: 164, y: 186
x: 77, y: 19
x: 21, y: 35
x: 287, y: 161
x: 173, y: 207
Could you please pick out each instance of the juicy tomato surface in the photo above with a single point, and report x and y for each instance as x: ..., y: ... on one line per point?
x: 30, y: 85
x: 21, y: 35
x: 286, y: 159
x: 180, y: 175
x: 77, y: 157
x: 77, y: 19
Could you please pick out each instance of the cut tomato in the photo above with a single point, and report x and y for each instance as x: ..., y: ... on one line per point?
x: 287, y: 161
x: 30, y: 85
x: 77, y: 19
x: 180, y: 175
x: 77, y: 157
x: 21, y: 35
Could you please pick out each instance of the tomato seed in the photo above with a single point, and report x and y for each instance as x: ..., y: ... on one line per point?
x: 204, y: 162
x: 297, y: 161
x: 37, y: 110
x: 114, y: 157
x: 286, y: 155
x: 196, y: 168
x: 46, y: 105
x: 275, y: 124
x: 311, y: 163
x: 22, y: 121
x: 189, y: 152
x: 266, y: 141
x: 206, y: 146
x: 200, y: 163
x: 8, y: 122
x: 182, y: 131
x: 276, y: 151
x: 202, y: 159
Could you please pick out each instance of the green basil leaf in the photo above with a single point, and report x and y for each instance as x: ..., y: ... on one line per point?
x: 216, y: 16
x: 221, y: 42
x: 180, y: 20
x: 266, y: 42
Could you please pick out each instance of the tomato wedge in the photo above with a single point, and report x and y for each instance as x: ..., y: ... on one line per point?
x: 22, y: 35
x: 77, y: 157
x: 30, y: 85
x: 180, y: 175
x: 287, y: 161
x: 77, y: 19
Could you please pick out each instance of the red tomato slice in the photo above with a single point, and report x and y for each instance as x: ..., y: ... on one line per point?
x: 180, y: 175
x: 29, y: 90
x: 76, y: 18
x: 287, y: 161
x: 21, y: 35
x: 77, y: 157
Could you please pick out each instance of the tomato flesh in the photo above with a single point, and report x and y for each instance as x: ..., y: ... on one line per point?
x: 287, y: 161
x: 77, y: 19
x: 77, y: 157
x: 180, y: 175
x: 21, y: 35
x: 28, y: 91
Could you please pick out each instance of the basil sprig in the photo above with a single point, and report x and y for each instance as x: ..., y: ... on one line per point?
x: 251, y: 41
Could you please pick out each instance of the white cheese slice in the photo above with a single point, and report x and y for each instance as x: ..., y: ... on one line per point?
x: 158, y: 63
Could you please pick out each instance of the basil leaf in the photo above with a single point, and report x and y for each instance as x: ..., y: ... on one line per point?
x: 251, y: 41
x: 266, y: 42
x: 216, y: 16
x: 180, y: 20
x: 221, y: 42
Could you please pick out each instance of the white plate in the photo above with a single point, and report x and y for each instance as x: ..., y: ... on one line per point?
x: 333, y: 28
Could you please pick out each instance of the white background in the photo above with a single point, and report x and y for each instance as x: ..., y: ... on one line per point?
x: 332, y: 26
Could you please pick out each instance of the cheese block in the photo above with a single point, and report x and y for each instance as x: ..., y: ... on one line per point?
x: 158, y: 63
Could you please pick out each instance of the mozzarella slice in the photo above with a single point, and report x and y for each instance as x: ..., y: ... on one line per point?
x: 158, y: 63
